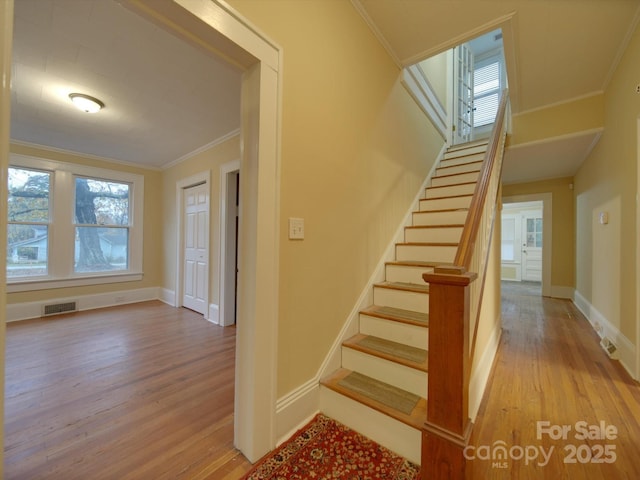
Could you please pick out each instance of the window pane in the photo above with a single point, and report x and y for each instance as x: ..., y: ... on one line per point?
x: 100, y: 202
x: 28, y: 195
x: 27, y: 250
x: 100, y: 249
x: 486, y: 79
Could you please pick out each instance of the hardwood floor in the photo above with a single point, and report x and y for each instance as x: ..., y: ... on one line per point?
x: 141, y: 391
x: 145, y: 391
x: 550, y: 368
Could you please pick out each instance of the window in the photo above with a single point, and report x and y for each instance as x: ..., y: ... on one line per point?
x: 72, y: 225
x: 487, y: 84
x: 101, y: 225
x: 28, y: 210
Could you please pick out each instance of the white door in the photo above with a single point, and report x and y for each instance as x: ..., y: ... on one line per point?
x: 463, y: 96
x: 196, y: 248
x: 532, y: 246
x: 511, y: 252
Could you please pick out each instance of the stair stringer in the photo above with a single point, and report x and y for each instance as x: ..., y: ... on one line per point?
x: 297, y: 407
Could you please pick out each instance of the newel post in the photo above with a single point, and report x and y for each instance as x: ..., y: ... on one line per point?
x: 447, y: 429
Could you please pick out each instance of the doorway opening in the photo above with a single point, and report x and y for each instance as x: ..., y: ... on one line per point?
x: 521, y: 246
x: 229, y: 228
x: 526, y: 242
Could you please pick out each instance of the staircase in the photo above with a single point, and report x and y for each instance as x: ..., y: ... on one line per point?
x: 381, y: 386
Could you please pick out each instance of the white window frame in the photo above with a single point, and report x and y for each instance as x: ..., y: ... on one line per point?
x: 495, y: 56
x: 62, y: 227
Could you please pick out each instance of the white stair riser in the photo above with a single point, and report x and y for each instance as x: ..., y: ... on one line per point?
x: 426, y: 253
x: 388, y: 432
x: 455, y: 217
x: 433, y: 234
x: 465, y: 189
x: 463, y: 168
x: 406, y: 273
x: 460, y: 152
x: 400, y: 376
x: 461, y: 161
x: 409, y: 334
x: 407, y: 300
x: 447, y: 202
x: 454, y: 179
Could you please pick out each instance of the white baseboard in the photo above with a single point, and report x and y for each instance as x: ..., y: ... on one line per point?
x: 295, y: 409
x: 604, y: 328
x: 28, y: 310
x: 561, y: 291
x: 168, y: 297
x: 214, y: 314
x: 480, y: 377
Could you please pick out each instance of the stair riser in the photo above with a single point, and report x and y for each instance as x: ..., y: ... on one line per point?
x: 426, y: 253
x: 412, y: 335
x: 450, y: 162
x: 454, y: 179
x: 464, y: 168
x: 400, y: 376
x: 455, y: 217
x: 406, y: 274
x: 461, y: 152
x: 466, y: 189
x: 407, y: 300
x: 433, y: 235
x: 447, y: 202
x: 388, y: 432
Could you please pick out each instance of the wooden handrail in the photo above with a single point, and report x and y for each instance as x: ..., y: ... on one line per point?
x: 472, y: 225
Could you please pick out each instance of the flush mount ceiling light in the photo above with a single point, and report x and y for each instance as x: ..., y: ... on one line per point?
x: 86, y: 103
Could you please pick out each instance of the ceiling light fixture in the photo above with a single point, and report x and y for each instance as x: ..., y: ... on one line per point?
x: 86, y: 103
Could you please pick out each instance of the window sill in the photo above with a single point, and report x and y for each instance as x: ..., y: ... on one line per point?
x: 50, y: 283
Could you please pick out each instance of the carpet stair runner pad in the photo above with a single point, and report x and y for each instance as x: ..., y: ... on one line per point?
x: 326, y: 449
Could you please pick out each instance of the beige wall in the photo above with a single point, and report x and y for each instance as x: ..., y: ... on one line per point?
x: 569, y: 118
x: 563, y: 225
x: 152, y: 245
x: 210, y: 160
x: 607, y: 182
x: 355, y: 149
x: 436, y: 69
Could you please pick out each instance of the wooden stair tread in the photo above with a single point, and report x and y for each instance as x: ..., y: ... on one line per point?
x: 409, y: 287
x: 372, y: 390
x: 451, y: 185
x: 448, y: 175
x: 417, y: 263
x: 427, y: 244
x: 400, y: 353
x: 448, y: 225
x: 443, y: 210
x: 461, y: 164
x: 397, y: 315
x: 446, y: 196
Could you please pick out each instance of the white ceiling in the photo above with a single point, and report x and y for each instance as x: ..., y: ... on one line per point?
x: 164, y: 99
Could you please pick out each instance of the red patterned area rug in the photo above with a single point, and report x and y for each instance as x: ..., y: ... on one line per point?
x: 326, y: 449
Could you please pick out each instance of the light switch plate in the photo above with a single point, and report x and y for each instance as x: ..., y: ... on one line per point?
x: 296, y: 228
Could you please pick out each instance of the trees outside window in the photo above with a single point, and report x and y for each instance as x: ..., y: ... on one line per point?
x: 71, y: 224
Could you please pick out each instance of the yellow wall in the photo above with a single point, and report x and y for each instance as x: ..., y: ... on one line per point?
x: 562, y: 227
x: 568, y: 118
x: 152, y: 245
x: 210, y: 160
x: 607, y: 181
x: 355, y: 149
x: 436, y: 69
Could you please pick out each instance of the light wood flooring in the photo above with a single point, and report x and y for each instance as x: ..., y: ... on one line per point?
x: 146, y: 392
x: 550, y: 368
x: 141, y: 391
